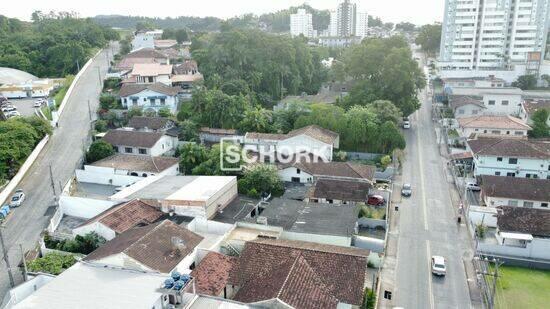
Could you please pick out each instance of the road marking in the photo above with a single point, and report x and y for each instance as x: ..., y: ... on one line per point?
x: 421, y: 169
x: 428, y: 251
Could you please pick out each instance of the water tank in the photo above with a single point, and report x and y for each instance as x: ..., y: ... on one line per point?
x: 176, y: 275
x: 185, y: 278
x: 179, y: 285
x: 169, y: 283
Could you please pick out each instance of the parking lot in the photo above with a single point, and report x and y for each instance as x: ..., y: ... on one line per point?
x: 24, y: 106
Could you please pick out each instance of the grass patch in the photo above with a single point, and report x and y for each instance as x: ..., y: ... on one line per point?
x: 62, y: 91
x: 47, y: 112
x: 520, y: 287
x: 372, y: 212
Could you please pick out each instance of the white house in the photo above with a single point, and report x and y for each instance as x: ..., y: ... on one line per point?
x: 304, y: 172
x: 497, y: 100
x: 311, y: 139
x: 140, y: 143
x: 492, y: 125
x: 512, y: 191
x: 150, y: 73
x: 466, y: 106
x: 149, y: 97
x: 145, y: 39
x: 510, y: 157
x: 193, y: 196
x: 476, y: 82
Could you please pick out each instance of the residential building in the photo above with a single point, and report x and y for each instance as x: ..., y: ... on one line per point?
x: 152, y: 144
x: 145, y: 39
x: 311, y: 139
x: 150, y: 97
x: 466, y: 105
x: 150, y: 73
x: 492, y: 125
x: 338, y: 191
x: 144, y: 55
x: 333, y: 26
x: 165, y: 44
x: 301, y: 23
x: 160, y: 247
x: 211, y: 136
x: 123, y: 169
x: 491, y: 35
x: 511, y: 157
x: 530, y: 106
x: 496, y: 100
x: 511, y: 191
x: 338, y: 41
x: 521, y: 234
x: 474, y: 82
x: 362, y: 24
x: 119, y: 219
x: 193, y: 196
x: 346, y: 14
x: 309, y: 172
x: 151, y: 124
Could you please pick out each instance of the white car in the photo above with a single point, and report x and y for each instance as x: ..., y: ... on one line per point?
x: 12, y: 114
x: 9, y: 109
x: 406, y: 124
x: 472, y: 186
x: 17, y: 198
x: 38, y: 103
x: 438, y: 265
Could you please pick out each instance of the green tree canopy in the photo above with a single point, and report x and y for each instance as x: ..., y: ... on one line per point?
x: 429, y: 38
x: 261, y: 178
x: 191, y: 155
x: 526, y: 82
x: 99, y: 150
x: 540, y: 124
x: 256, y: 119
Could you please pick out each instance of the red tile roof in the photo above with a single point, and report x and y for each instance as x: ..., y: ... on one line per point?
x: 212, y: 274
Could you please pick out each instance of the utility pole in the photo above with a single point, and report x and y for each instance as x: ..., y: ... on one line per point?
x: 77, y: 66
x: 99, y: 76
x: 89, y: 111
x: 6, y: 258
x: 53, y: 184
x: 25, y: 276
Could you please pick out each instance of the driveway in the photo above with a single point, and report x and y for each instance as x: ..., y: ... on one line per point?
x: 63, y: 154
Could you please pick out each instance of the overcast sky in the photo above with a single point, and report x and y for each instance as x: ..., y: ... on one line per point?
x: 418, y: 11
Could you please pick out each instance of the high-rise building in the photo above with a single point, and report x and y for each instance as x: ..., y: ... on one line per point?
x: 333, y: 27
x: 492, y: 34
x: 346, y: 14
x: 301, y: 23
x: 362, y: 24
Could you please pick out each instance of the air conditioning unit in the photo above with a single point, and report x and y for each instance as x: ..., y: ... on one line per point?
x: 261, y: 220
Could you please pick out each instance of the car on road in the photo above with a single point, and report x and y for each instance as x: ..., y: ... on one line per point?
x: 438, y: 265
x: 39, y: 103
x: 472, y: 186
x: 12, y: 114
x: 406, y: 190
x: 406, y: 123
x: 17, y: 198
x: 376, y: 200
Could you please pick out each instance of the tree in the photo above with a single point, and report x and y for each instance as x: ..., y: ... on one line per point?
x: 385, y: 161
x: 526, y: 82
x: 215, y: 109
x: 17, y: 140
x: 540, y: 124
x: 134, y: 111
x: 52, y: 263
x: 107, y: 101
x: 284, y: 119
x: 385, y: 111
x: 164, y: 112
x: 213, y: 165
x: 41, y: 126
x: 101, y: 125
x: 189, y: 131
x: 405, y: 26
x: 256, y: 119
x: 390, y: 138
x: 145, y: 25
x: 429, y: 38
x: 259, y: 179
x: 191, y: 155
x: 181, y: 35
x: 99, y: 150
x: 360, y: 129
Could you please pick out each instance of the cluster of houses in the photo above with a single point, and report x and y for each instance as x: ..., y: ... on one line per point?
x: 179, y: 241
x: 512, y: 170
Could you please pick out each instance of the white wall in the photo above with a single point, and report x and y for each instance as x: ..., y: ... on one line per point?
x: 288, y: 173
x: 486, y: 165
x: 468, y: 111
x: 222, y: 198
x: 503, y: 104
x: 485, y: 215
x: 143, y: 40
x: 318, y: 238
x: 97, y: 227
x: 144, y: 102
x: 304, y: 142
x: 93, y: 174
x: 466, y: 132
x: 500, y: 201
x: 164, y: 144
x: 83, y: 207
x: 539, y: 248
x: 25, y: 289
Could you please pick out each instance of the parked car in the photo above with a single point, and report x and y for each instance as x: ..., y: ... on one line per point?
x: 472, y: 186
x: 17, y: 198
x: 12, y: 114
x: 9, y: 109
x: 438, y: 265
x: 39, y: 103
x: 376, y: 200
x: 406, y: 190
x: 406, y: 123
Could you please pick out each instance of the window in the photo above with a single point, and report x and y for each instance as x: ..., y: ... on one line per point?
x: 512, y: 203
x: 162, y: 101
x: 153, y: 100
x: 142, y: 151
x: 505, y: 102
x: 497, y: 173
x: 115, y: 148
x: 474, y: 112
x: 491, y: 102
x: 495, y: 132
x: 518, y: 133
x: 144, y: 99
x: 527, y: 204
x: 511, y: 174
x: 513, y: 161
x: 545, y: 205
x: 461, y: 111
x: 499, y: 159
x: 128, y: 150
x: 125, y: 100
x: 298, y: 171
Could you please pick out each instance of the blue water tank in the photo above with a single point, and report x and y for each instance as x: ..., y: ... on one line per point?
x: 179, y: 285
x: 176, y: 275
x: 169, y: 283
x: 185, y: 278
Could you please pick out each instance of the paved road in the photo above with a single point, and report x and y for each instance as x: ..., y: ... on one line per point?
x: 62, y: 153
x: 427, y: 225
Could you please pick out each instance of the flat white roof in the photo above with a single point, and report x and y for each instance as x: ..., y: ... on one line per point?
x: 518, y: 236
x: 201, y: 189
x: 86, y: 286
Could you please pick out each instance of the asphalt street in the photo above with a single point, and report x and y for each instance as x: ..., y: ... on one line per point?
x: 426, y: 225
x: 63, y: 153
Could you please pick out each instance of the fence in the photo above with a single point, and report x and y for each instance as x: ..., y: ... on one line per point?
x: 363, y: 155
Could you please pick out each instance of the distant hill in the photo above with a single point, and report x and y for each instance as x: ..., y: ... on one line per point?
x: 189, y: 22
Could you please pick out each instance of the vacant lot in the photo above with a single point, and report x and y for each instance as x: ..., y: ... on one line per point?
x: 523, y: 288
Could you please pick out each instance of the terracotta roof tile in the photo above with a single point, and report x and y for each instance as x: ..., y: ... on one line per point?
x: 212, y: 274
x: 339, y: 169
x: 524, y: 220
x: 344, y: 190
x: 153, y: 123
x: 493, y: 122
x: 516, y: 188
x: 510, y: 147
x: 151, y: 69
x: 132, y: 138
x: 137, y: 163
x: 129, y: 88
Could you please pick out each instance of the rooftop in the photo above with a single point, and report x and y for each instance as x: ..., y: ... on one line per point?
x: 457, y: 101
x: 160, y: 246
x: 313, y: 131
x: 301, y: 274
x: 145, y: 53
x: 152, y: 123
x: 127, y: 63
x: 338, y: 189
x: 532, y: 105
x: 524, y: 220
x: 137, y: 163
x: 151, y: 69
x: 212, y: 273
x: 338, y: 169
x: 88, y: 287
x: 132, y: 138
x: 493, y: 122
x: 14, y: 76
x: 516, y: 188
x: 510, y: 147
x: 128, y: 89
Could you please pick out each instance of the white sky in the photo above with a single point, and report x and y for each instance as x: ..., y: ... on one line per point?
x: 416, y: 11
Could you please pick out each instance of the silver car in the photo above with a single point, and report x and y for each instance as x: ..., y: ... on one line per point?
x: 17, y: 198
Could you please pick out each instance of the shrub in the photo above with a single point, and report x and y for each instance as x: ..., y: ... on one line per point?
x: 111, y: 83
x: 261, y: 178
x: 107, y: 101
x: 80, y: 244
x: 99, y: 150
x: 164, y: 112
x: 385, y: 161
x: 481, y: 229
x: 369, y: 299
x: 101, y: 125
x: 53, y: 263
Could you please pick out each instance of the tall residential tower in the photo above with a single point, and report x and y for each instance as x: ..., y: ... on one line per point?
x: 301, y: 23
x: 492, y: 34
x: 346, y: 14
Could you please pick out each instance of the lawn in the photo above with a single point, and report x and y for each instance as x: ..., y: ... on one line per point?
x: 47, y: 112
x: 372, y: 212
x: 520, y: 287
x: 60, y: 94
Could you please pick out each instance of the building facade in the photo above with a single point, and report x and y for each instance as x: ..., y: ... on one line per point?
x: 301, y: 23
x: 492, y: 34
x: 362, y: 24
x: 346, y: 14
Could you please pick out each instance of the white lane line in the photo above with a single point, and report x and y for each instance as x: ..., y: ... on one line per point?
x: 431, y: 296
x: 421, y: 169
